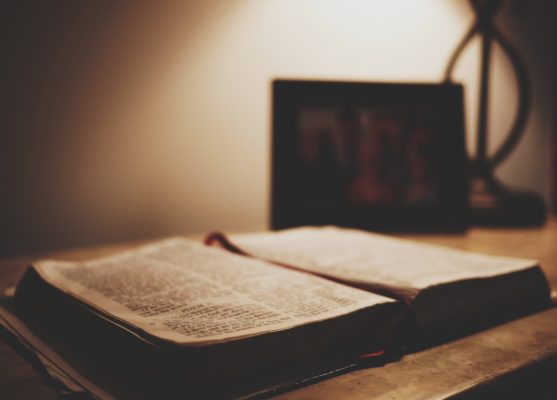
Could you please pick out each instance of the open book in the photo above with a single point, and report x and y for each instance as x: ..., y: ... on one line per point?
x: 179, y: 317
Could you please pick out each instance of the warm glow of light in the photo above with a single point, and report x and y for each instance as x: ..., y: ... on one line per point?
x: 221, y: 93
x: 158, y: 117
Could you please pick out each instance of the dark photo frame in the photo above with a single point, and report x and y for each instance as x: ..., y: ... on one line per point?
x: 376, y: 156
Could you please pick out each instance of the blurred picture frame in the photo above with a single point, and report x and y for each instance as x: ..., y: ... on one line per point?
x: 376, y: 156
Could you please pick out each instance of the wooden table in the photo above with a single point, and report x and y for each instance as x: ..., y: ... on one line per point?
x: 515, y: 360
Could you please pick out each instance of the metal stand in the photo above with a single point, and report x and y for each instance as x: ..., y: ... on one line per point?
x: 491, y: 202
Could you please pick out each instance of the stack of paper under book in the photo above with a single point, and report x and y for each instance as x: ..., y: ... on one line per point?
x: 176, y: 317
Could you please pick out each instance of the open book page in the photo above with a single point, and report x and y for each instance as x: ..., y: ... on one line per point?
x: 363, y: 257
x: 190, y: 294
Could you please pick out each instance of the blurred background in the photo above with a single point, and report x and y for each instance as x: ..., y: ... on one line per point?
x: 126, y: 120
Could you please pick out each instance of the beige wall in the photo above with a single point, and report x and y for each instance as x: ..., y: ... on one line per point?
x: 152, y: 118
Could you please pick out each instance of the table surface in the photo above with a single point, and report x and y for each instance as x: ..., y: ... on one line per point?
x: 499, y: 355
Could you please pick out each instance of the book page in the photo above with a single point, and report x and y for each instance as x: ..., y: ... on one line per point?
x: 364, y: 257
x: 190, y: 294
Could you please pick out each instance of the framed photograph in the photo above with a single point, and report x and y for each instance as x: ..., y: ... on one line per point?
x: 375, y: 156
